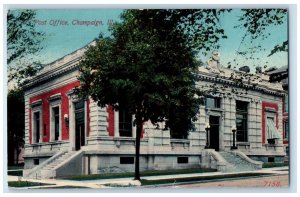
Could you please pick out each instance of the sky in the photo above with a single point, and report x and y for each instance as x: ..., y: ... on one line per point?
x: 65, y: 34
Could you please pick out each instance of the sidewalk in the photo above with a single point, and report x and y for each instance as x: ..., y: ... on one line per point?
x: 101, y: 183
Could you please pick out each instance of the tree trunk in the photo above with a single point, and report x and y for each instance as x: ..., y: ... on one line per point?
x: 139, y: 126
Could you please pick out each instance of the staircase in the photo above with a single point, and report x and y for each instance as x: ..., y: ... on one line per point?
x: 48, y: 171
x: 48, y: 168
x: 236, y: 162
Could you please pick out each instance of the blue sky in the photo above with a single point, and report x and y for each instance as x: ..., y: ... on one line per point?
x: 63, y: 39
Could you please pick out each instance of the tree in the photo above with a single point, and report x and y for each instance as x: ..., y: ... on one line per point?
x: 257, y: 24
x: 148, y: 66
x: 23, y: 40
x: 15, y: 124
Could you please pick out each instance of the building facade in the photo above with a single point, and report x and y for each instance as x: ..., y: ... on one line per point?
x: 281, y: 75
x: 65, y: 135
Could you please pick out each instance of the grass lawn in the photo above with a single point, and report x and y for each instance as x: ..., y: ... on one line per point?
x: 15, y: 173
x: 202, y: 178
x: 272, y: 165
x: 24, y: 184
x: 66, y: 187
x: 131, y: 174
x: 15, y: 167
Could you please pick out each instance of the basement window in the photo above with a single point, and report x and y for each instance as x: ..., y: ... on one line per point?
x: 36, y: 161
x: 126, y: 160
x: 271, y: 159
x: 182, y: 160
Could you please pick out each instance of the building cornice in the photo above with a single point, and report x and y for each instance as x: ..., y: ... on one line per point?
x: 256, y: 86
x: 52, y: 74
x: 59, y: 67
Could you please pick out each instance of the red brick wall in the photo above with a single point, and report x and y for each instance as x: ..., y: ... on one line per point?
x: 111, y: 121
x: 46, y: 111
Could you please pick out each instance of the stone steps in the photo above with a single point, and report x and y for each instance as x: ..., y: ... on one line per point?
x: 50, y: 166
x: 236, y: 163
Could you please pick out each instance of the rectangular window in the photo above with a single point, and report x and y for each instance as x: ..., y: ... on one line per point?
x: 286, y: 103
x: 272, y: 132
x: 125, y: 123
x: 126, y: 160
x: 55, y: 113
x: 241, y: 121
x: 212, y: 102
x: 36, y: 126
x: 36, y: 161
x: 182, y: 160
x: 286, y: 130
x: 271, y: 159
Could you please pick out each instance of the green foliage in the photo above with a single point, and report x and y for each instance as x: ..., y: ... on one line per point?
x: 279, y: 48
x: 148, y: 66
x: 148, y: 63
x: 25, y: 184
x: 23, y: 72
x: 22, y: 40
x: 15, y: 123
x: 15, y: 173
x: 18, y: 167
x: 273, y: 165
x: 257, y: 23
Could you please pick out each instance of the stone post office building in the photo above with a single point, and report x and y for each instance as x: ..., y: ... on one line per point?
x: 65, y: 135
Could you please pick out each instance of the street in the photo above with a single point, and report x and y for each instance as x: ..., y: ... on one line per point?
x: 273, y: 178
x: 276, y: 181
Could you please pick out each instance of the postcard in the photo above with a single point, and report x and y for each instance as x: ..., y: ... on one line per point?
x: 148, y: 98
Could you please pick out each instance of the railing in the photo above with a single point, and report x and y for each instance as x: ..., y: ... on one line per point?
x: 257, y: 164
x: 243, y: 145
x: 124, y: 141
x: 180, y: 143
x: 46, y: 146
x: 274, y: 147
x: 213, y: 159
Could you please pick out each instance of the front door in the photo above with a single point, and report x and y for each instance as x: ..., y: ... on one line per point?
x: 79, y: 125
x: 214, y: 122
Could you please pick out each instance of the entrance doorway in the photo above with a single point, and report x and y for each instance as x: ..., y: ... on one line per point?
x: 214, y: 122
x: 79, y: 125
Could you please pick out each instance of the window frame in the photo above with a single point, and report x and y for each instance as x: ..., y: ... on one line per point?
x: 182, y: 160
x: 127, y: 160
x: 286, y: 104
x: 36, y: 107
x: 272, y: 114
x: 123, y: 115
x: 244, y: 114
x: 286, y: 130
x: 34, y: 124
x: 217, y: 102
x: 54, y: 102
x: 117, y: 125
